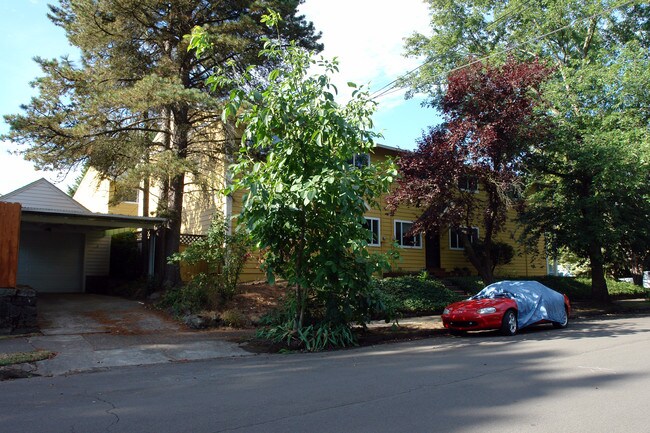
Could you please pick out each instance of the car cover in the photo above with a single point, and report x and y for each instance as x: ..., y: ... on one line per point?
x: 534, y: 300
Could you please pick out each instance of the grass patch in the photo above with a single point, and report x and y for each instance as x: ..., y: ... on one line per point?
x: 22, y: 357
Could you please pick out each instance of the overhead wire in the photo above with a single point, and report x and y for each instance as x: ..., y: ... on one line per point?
x: 391, y: 88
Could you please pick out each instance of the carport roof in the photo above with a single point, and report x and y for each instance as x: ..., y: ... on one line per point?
x: 44, y: 203
x: 90, y: 219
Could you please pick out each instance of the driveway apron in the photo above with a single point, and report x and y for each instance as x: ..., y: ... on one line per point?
x: 89, y: 332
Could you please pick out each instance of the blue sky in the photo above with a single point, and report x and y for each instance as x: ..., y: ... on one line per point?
x: 367, y: 40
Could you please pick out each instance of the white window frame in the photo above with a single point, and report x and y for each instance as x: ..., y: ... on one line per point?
x: 452, y: 233
x: 399, y: 241
x: 378, y: 222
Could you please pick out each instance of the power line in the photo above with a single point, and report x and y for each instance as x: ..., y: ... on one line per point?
x: 390, y: 87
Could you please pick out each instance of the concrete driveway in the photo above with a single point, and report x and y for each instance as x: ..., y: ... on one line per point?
x: 89, y: 332
x: 80, y: 313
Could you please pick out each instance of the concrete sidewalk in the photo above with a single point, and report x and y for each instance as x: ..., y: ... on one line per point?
x: 86, y: 352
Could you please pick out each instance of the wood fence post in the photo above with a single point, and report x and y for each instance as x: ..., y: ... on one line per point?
x: 9, y: 243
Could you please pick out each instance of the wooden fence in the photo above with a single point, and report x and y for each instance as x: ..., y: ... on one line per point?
x: 9, y: 241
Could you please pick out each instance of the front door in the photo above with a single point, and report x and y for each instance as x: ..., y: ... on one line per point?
x: 432, y: 245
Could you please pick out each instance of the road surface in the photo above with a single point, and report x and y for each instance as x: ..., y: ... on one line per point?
x: 591, y: 377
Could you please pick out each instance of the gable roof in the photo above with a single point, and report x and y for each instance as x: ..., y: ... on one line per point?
x: 41, y: 195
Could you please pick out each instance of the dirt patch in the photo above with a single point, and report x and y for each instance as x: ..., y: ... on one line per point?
x: 257, y: 299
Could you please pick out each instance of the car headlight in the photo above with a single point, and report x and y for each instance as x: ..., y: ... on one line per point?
x: 488, y: 310
x: 445, y: 311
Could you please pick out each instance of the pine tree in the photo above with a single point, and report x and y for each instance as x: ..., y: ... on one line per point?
x: 136, y: 105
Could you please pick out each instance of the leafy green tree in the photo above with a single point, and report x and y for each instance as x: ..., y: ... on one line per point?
x: 589, y: 182
x: 224, y: 255
x: 136, y: 105
x: 304, y: 201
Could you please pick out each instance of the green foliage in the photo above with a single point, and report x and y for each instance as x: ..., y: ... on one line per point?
x: 304, y: 202
x: 126, y: 260
x: 577, y: 289
x: 590, y: 180
x: 234, y: 318
x: 224, y: 256
x: 192, y: 297
x: 468, y: 284
x: 313, y: 338
x: 414, y: 295
x: 136, y: 105
x: 501, y: 253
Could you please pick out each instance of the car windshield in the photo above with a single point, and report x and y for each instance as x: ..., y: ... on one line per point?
x: 493, y: 294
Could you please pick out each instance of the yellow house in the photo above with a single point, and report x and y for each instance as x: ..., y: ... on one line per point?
x: 440, y: 253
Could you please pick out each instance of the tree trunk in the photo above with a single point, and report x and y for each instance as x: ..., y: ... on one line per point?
x: 180, y: 127
x: 483, y: 265
x: 598, y: 284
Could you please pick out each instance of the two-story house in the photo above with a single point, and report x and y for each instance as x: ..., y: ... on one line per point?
x: 439, y: 252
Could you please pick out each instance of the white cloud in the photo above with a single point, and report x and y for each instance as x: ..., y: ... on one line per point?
x: 367, y: 36
x: 17, y: 172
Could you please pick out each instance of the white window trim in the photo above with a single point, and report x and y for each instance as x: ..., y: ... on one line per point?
x: 399, y: 240
x: 378, y: 244
x: 478, y: 235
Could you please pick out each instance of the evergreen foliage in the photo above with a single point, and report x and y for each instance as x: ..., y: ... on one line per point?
x: 136, y: 105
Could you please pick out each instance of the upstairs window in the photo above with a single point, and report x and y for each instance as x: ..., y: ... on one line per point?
x: 122, y: 193
x: 401, y: 229
x: 468, y: 183
x: 456, y: 238
x: 360, y: 160
x: 372, y: 225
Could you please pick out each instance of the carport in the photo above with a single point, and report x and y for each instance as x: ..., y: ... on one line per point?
x: 62, y: 245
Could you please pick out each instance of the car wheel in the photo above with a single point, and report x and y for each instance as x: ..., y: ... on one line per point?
x: 565, y: 323
x: 509, y: 325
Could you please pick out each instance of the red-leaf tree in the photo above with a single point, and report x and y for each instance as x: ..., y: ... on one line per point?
x: 491, y: 124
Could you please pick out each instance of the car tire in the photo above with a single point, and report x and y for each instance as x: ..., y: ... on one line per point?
x: 562, y: 325
x: 509, y: 325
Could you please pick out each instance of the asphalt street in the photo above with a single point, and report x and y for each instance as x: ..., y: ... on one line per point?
x: 592, y: 377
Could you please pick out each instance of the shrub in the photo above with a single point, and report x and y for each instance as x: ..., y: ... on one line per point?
x: 411, y: 295
x: 467, y: 284
x: 224, y: 256
x: 184, y: 299
x: 126, y: 260
x: 234, y: 319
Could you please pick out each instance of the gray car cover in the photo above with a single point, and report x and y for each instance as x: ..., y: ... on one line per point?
x: 534, y: 300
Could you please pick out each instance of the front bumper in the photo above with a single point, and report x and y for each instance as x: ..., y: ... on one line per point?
x: 472, y: 321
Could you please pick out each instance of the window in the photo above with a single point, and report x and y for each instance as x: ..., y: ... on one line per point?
x: 372, y: 224
x: 456, y: 238
x: 401, y: 229
x: 468, y: 183
x: 123, y: 193
x: 360, y: 160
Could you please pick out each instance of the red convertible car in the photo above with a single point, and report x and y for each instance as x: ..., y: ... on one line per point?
x: 508, y: 306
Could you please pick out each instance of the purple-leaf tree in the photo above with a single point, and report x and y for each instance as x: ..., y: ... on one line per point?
x: 491, y: 125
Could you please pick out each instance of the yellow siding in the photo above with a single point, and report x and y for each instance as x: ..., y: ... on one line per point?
x: 124, y: 208
x: 410, y: 260
x: 93, y: 192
